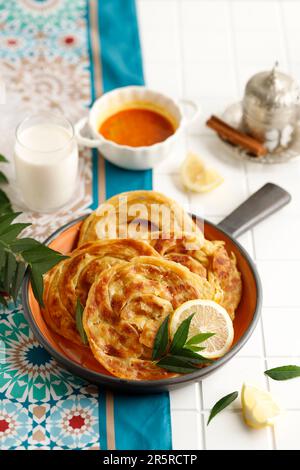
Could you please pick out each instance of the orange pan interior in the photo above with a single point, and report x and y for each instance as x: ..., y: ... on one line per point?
x: 67, y: 241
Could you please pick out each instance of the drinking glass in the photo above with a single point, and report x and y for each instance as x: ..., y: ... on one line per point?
x: 46, y: 161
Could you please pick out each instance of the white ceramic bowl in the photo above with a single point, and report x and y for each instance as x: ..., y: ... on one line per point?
x: 133, y: 158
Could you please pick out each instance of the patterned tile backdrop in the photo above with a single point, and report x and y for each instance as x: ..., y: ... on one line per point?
x: 45, y: 65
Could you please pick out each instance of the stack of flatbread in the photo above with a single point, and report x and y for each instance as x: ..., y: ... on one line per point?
x: 139, y: 257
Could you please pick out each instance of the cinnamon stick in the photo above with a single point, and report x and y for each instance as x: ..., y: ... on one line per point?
x: 236, y: 137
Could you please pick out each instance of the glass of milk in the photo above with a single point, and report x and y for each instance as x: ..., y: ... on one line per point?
x: 46, y: 161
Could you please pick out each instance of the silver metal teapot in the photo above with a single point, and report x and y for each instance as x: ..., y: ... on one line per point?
x: 271, y: 108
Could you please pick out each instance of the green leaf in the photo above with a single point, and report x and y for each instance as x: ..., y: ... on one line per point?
x: 41, y: 253
x: 18, y: 279
x: 197, y: 339
x: 3, y: 197
x: 181, y: 334
x: 174, y: 364
x: 3, y: 159
x: 180, y: 359
x: 2, y: 258
x: 161, y: 340
x: 12, y: 232
x: 2, y: 272
x: 22, y: 244
x: 283, y: 372
x: 193, y: 348
x: 5, y: 205
x: 5, y: 208
x: 222, y: 404
x: 3, y: 178
x: 37, y: 271
x: 45, y: 265
x: 10, y: 268
x: 5, y: 220
x: 36, y: 279
x: 191, y: 357
x: 79, y: 325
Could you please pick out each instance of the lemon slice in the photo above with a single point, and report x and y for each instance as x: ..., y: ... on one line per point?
x: 259, y: 407
x: 209, y: 317
x: 196, y: 177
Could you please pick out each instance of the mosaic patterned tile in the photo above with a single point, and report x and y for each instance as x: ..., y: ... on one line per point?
x: 15, y: 424
x: 73, y: 423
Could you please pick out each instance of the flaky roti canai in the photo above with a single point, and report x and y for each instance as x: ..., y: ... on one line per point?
x: 127, y: 304
x: 133, y: 215
x: 208, y: 259
x: 134, y: 266
x: 72, y: 278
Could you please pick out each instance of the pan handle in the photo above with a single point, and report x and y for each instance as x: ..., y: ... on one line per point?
x: 267, y: 200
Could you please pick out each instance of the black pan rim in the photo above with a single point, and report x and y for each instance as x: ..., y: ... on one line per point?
x: 143, y: 385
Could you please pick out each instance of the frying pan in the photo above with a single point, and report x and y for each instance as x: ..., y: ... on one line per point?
x: 79, y: 360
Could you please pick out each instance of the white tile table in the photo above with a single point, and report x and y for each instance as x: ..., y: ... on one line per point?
x: 206, y: 51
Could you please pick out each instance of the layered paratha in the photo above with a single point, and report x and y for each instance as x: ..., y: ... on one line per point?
x: 72, y: 278
x: 208, y: 259
x: 127, y: 304
x: 135, y: 214
x: 139, y: 257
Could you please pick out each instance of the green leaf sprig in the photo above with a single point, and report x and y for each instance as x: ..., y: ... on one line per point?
x: 181, y: 355
x: 283, y: 372
x: 278, y: 373
x: 5, y: 205
x: 3, y: 178
x: 18, y: 254
x: 79, y: 324
x: 222, y: 404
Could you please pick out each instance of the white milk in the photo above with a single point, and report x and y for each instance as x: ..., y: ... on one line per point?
x: 46, y: 160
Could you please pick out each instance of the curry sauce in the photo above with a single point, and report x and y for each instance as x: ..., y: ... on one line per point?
x: 137, y: 127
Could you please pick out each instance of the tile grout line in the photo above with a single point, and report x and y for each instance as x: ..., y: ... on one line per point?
x: 284, y: 34
x: 231, y: 410
x: 247, y: 182
x: 186, y: 143
x: 266, y: 357
x: 237, y: 78
x: 202, y: 415
x: 248, y: 178
x: 203, y: 410
x: 182, y: 75
x: 167, y: 173
x: 288, y: 61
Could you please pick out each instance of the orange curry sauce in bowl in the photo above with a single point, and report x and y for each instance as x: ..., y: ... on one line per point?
x: 137, y: 127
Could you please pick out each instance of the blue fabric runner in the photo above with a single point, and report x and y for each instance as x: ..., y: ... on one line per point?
x: 121, y: 65
x: 141, y: 422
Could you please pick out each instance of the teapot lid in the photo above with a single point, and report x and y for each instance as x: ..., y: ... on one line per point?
x: 273, y: 89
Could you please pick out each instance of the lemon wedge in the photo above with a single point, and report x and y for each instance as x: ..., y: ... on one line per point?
x: 259, y: 407
x: 209, y: 317
x: 196, y: 177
